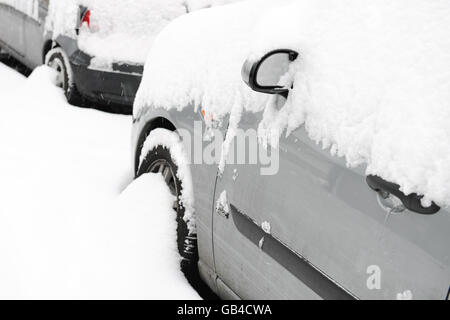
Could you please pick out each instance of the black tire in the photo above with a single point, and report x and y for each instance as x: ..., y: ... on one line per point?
x: 57, y: 60
x: 187, y: 243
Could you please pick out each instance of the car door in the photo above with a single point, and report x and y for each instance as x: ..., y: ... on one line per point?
x: 34, y: 32
x: 316, y: 230
x: 11, y: 29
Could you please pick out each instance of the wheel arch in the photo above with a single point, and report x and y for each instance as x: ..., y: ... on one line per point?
x: 67, y: 44
x: 157, y: 122
x: 48, y: 45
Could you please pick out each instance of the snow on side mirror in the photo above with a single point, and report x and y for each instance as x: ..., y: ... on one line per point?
x: 264, y: 75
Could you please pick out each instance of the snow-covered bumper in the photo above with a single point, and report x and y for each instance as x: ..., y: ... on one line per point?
x: 118, y: 85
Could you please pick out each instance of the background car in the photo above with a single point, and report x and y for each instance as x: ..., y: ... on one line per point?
x: 28, y: 33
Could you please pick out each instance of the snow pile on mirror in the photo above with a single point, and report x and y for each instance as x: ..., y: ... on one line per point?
x: 372, y: 81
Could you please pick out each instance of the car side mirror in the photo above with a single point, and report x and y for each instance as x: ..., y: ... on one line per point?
x: 264, y: 75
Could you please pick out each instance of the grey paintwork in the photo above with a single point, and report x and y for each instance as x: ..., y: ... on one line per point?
x: 23, y: 36
x: 326, y: 213
x: 320, y: 210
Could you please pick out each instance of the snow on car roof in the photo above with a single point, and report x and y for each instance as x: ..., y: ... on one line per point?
x: 372, y: 81
x: 124, y: 29
x: 198, y: 58
x: 120, y: 30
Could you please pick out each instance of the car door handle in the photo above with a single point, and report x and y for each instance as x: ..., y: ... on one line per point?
x: 412, y: 201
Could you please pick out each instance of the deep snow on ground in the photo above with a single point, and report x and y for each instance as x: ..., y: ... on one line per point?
x: 371, y: 82
x: 71, y: 226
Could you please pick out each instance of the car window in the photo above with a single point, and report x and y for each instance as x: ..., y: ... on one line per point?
x: 44, y: 3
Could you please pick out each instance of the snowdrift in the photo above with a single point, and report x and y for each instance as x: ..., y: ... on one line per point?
x: 74, y: 225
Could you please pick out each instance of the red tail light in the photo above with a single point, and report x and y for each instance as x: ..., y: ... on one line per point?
x: 87, y: 18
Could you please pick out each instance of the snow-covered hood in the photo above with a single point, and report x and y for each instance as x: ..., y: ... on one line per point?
x: 372, y: 81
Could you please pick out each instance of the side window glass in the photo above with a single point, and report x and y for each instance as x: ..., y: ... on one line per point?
x: 43, y: 9
x: 44, y: 3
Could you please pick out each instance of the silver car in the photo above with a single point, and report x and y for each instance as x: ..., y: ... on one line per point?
x: 23, y: 35
x: 334, y: 232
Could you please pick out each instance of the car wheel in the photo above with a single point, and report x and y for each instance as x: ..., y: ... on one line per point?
x: 159, y: 160
x: 57, y: 60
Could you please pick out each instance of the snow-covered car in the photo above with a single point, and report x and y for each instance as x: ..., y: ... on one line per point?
x: 97, y: 47
x: 368, y: 220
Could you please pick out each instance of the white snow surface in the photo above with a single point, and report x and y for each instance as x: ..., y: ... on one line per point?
x: 204, y: 66
x: 171, y: 141
x: 62, y: 18
x: 120, y: 30
x: 222, y: 202
x: 71, y: 224
x: 371, y: 82
x: 265, y: 225
x: 123, y: 30
x: 201, y: 4
x: 405, y: 295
